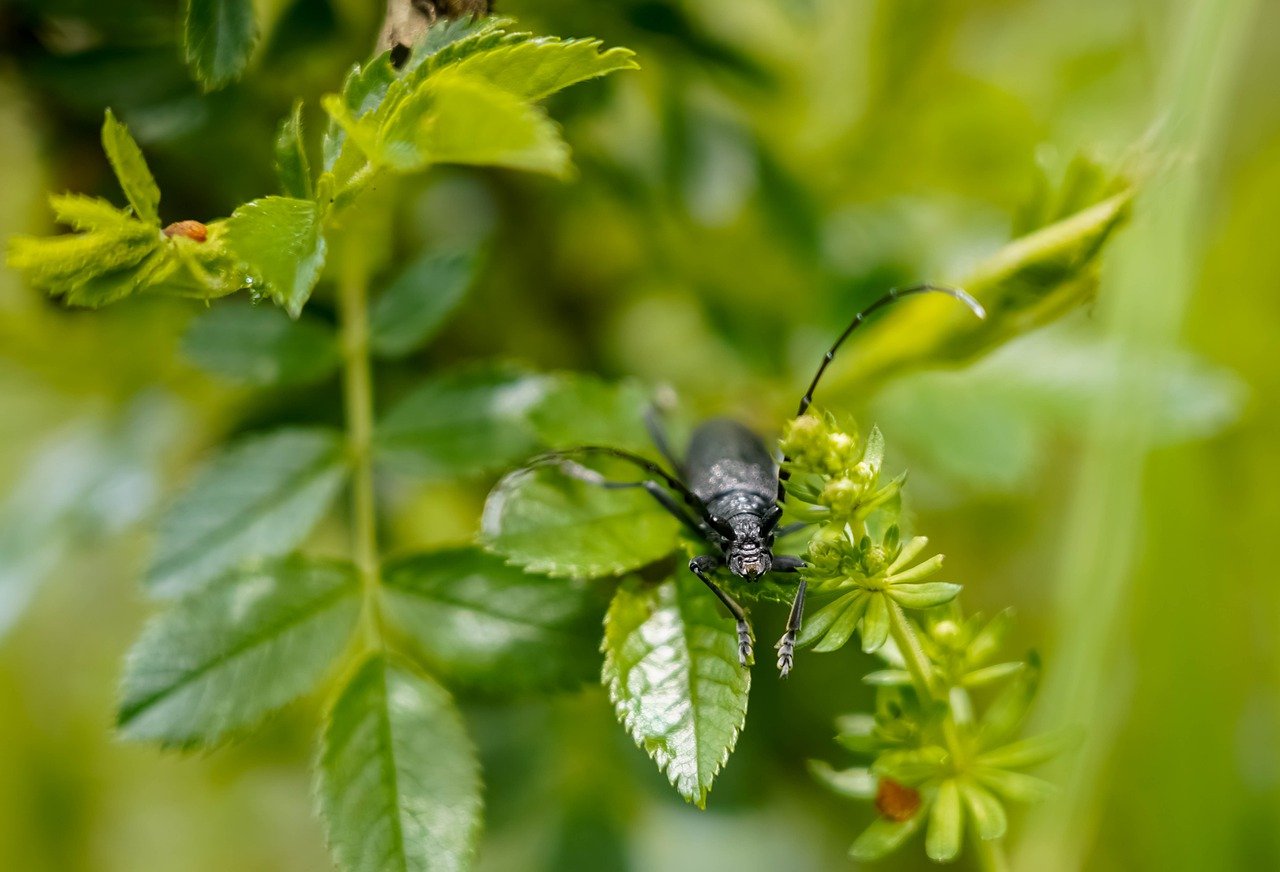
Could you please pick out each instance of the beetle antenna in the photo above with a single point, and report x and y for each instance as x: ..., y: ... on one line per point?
x: 888, y: 299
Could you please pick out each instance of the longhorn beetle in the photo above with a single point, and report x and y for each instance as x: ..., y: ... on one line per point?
x: 729, y: 491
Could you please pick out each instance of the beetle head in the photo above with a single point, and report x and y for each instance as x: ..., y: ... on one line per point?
x: 748, y: 552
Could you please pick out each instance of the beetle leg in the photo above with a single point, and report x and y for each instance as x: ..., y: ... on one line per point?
x: 787, y: 530
x: 590, y: 476
x: 787, y: 644
x: 658, y: 433
x: 706, y: 563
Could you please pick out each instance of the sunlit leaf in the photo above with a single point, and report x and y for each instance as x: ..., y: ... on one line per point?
x: 924, y: 595
x: 398, y: 783
x: 537, y: 68
x: 547, y: 522
x: 462, y: 423
x: 218, y: 38
x: 946, y: 823
x: 261, y: 345
x: 131, y: 170
x: 415, y: 305
x: 260, y: 498
x: 219, y: 660
x: 671, y: 665
x: 282, y: 244
x: 482, y: 622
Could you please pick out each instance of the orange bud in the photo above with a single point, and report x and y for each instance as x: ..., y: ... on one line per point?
x: 896, y: 801
x: 193, y: 230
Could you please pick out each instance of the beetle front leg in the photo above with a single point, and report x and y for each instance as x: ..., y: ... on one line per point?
x: 787, y: 644
x: 701, y: 566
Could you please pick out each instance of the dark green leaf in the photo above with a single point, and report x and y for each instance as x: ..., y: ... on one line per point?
x: 291, y: 157
x: 218, y: 38
x: 671, y: 665
x: 281, y: 241
x: 221, y: 659
x: 261, y: 345
x: 131, y: 170
x: 260, y: 498
x: 584, y: 410
x: 491, y: 625
x: 547, y: 522
x: 398, y: 781
x: 413, y: 308
x: 462, y: 423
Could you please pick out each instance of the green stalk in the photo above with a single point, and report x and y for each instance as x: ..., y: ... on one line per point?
x: 357, y: 390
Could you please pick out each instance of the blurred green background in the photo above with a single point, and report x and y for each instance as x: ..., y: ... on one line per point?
x: 775, y: 164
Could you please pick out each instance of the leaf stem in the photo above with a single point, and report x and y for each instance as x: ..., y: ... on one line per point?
x: 357, y: 390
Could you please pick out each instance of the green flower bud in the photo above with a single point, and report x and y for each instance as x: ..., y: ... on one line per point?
x: 841, y: 495
x: 803, y: 440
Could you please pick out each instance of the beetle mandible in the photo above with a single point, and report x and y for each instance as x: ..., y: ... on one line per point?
x: 729, y: 491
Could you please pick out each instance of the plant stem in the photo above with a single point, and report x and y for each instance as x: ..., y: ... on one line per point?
x: 357, y: 390
x: 991, y: 857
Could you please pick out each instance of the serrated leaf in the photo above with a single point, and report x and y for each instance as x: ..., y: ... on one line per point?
x: 989, y: 817
x: 946, y: 824
x: 88, y: 213
x: 535, y: 69
x: 292, y: 165
x: 923, y: 595
x: 414, y: 306
x: 86, y: 269
x: 261, y: 345
x: 260, y: 498
x: 462, y: 423
x: 223, y: 658
x: 882, y: 837
x: 484, y: 623
x: 547, y: 522
x: 218, y: 37
x: 671, y: 666
x: 131, y: 170
x: 398, y: 783
x: 362, y: 92
x: 580, y: 409
x: 282, y: 244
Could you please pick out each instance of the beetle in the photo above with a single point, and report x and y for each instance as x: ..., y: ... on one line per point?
x: 729, y: 491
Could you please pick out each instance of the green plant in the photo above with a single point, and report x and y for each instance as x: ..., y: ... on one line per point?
x: 253, y: 618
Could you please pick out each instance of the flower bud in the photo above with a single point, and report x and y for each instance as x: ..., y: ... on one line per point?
x: 841, y: 495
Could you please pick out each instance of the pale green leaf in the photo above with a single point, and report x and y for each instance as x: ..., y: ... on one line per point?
x: 1009, y: 709
x: 482, y: 622
x: 855, y: 783
x: 292, y: 165
x: 131, y: 170
x: 281, y: 241
x: 1014, y: 786
x: 857, y: 732
x: 547, y: 522
x: 946, y: 824
x: 671, y: 665
x: 887, y: 677
x: 462, y: 423
x: 987, y: 641
x: 580, y: 409
x: 362, y: 92
x: 537, y: 68
x: 219, y: 660
x: 218, y: 38
x: 260, y: 498
x: 991, y: 674
x: 261, y: 345
x: 91, y: 213
x: 875, y: 623
x: 841, y: 617
x: 882, y: 837
x: 414, y: 306
x: 924, y: 595
x: 398, y: 783
x: 1031, y: 751
x: 873, y: 453
x: 988, y: 813
x: 912, y: 766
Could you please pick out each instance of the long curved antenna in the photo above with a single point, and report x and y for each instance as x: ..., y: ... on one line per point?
x: 891, y: 297
x: 691, y: 499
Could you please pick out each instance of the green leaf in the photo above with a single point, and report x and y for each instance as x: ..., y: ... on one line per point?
x: 671, y: 665
x: 857, y: 732
x: 988, y: 813
x: 1009, y: 709
x: 882, y: 837
x: 873, y: 453
x: 924, y: 595
x: 221, y: 659
x: 482, y: 622
x: 535, y: 69
x: 413, y: 308
x: 991, y: 674
x: 1030, y: 751
x: 398, y: 783
x: 131, y: 170
x: 987, y: 641
x: 913, y: 766
x: 218, y: 38
x: 260, y: 345
x: 281, y: 241
x: 454, y: 119
x: 462, y: 423
x: 875, y: 623
x: 91, y: 213
x: 260, y: 498
x: 946, y: 824
x: 543, y: 520
x: 362, y: 92
x: 1014, y: 786
x: 580, y: 409
x: 291, y: 157
x: 832, y: 625
x: 855, y: 783
x: 887, y: 677
x: 87, y: 269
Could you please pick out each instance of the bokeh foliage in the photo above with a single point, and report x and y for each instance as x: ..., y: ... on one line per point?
x: 777, y: 163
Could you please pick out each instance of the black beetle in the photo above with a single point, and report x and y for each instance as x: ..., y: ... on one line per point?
x: 729, y: 491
